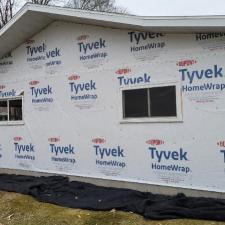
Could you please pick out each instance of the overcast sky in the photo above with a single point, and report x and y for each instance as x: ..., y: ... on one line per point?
x: 170, y: 7
x: 174, y: 7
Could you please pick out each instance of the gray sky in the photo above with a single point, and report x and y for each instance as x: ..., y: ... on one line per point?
x: 174, y: 7
x: 171, y: 7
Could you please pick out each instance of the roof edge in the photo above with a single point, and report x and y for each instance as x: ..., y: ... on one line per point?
x: 36, y: 17
x: 135, y: 20
x: 16, y: 17
x: 44, y: 8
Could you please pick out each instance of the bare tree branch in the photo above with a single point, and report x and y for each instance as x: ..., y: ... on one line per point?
x: 41, y: 2
x: 96, y: 5
x: 7, y: 6
x: 6, y: 11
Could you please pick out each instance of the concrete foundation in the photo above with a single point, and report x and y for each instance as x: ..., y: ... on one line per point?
x: 156, y: 189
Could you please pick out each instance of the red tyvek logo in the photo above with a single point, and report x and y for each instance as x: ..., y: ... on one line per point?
x: 123, y: 71
x: 74, y: 77
x: 54, y: 139
x: 29, y: 41
x: 17, y: 138
x: 83, y: 37
x: 99, y: 140
x: 221, y: 144
x: 34, y: 82
x: 155, y: 142
x: 187, y: 62
x: 2, y: 87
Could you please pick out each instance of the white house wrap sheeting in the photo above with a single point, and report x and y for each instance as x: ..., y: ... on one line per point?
x: 71, y: 78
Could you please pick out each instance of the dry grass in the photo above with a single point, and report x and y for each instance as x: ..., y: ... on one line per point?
x: 17, y: 209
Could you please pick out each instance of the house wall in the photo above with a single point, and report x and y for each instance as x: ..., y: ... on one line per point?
x: 72, y: 76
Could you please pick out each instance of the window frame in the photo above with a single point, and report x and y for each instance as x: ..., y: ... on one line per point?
x: 166, y: 119
x: 13, y: 122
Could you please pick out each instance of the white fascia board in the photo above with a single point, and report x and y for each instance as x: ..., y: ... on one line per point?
x: 132, y: 20
x: 17, y: 16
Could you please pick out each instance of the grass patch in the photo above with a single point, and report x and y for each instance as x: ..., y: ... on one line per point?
x: 17, y: 209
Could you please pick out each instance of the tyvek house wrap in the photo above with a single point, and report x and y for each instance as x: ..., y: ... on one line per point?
x: 72, y: 76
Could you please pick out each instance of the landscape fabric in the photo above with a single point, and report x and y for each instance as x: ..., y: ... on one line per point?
x: 60, y: 191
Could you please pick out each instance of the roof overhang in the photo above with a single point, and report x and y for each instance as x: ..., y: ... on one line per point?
x: 32, y: 18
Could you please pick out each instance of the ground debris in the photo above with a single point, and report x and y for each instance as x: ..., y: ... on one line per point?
x: 9, y: 217
x: 17, y: 209
x: 113, y: 211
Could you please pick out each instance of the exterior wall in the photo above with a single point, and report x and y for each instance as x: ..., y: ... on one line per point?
x: 72, y: 76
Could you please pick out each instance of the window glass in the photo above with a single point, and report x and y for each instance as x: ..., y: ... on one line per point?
x: 135, y: 103
x: 15, y: 110
x: 150, y: 102
x: 163, y: 101
x: 3, y: 111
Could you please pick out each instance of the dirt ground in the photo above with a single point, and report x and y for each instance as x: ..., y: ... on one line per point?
x: 17, y: 209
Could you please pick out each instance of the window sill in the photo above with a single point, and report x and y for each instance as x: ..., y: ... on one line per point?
x: 11, y: 123
x: 151, y: 120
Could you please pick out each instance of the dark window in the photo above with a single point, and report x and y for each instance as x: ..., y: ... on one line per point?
x: 11, y: 110
x: 15, y: 110
x: 163, y: 101
x: 150, y: 102
x: 3, y: 111
x: 135, y: 103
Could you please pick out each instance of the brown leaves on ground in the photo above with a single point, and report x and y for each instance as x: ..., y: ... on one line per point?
x: 17, y: 209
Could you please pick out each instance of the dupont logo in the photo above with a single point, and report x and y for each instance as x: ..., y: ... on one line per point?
x: 54, y: 139
x: 2, y: 87
x: 29, y: 41
x: 221, y: 143
x: 155, y: 142
x: 17, y: 139
x: 123, y: 71
x: 34, y: 82
x: 188, y: 62
x: 99, y: 141
x: 74, y: 77
x: 83, y: 37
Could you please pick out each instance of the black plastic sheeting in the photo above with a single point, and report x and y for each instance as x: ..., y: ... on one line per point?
x: 59, y: 190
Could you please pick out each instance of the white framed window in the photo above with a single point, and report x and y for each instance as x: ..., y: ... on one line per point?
x: 155, y: 103
x: 11, y: 111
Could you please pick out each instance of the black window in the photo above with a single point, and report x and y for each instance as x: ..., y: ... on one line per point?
x: 11, y: 110
x: 163, y: 101
x: 136, y: 103
x: 15, y: 110
x: 150, y: 102
x: 3, y: 110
